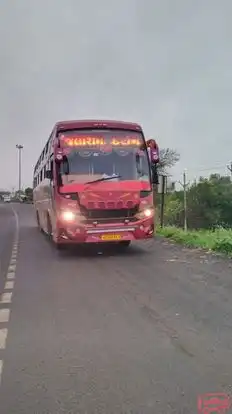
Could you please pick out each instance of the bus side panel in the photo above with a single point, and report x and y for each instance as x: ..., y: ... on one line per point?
x: 39, y: 205
x: 43, y: 204
x: 48, y: 199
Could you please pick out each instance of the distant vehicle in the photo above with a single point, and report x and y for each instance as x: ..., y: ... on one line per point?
x: 92, y: 183
x: 26, y: 200
x: 6, y: 199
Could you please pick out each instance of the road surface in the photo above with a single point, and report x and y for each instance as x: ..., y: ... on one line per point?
x: 145, y: 331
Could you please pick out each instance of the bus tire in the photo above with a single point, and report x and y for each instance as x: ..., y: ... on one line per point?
x: 49, y: 227
x: 38, y: 222
x: 60, y: 247
x: 125, y: 243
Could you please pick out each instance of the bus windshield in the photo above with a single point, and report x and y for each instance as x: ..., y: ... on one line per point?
x: 91, y: 155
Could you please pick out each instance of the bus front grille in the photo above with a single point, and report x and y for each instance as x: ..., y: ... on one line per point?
x: 109, y: 214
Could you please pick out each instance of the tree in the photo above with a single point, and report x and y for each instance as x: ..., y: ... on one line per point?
x: 19, y: 194
x: 209, y: 204
x: 173, y: 209
x: 168, y: 158
x: 203, y: 211
x: 29, y: 193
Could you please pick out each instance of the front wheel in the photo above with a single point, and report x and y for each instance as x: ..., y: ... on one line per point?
x: 60, y: 247
x: 49, y: 227
x: 38, y: 222
x: 125, y: 243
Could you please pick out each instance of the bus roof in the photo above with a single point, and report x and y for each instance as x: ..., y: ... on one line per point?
x: 88, y: 123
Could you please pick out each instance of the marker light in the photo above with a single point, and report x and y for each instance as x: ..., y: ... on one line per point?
x: 90, y: 141
x: 59, y: 157
x: 68, y: 216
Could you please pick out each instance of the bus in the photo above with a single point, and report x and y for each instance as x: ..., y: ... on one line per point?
x: 92, y: 183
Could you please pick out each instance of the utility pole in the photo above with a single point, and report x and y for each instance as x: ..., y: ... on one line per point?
x: 19, y: 148
x: 230, y: 168
x: 154, y: 193
x: 184, y: 184
x: 163, y: 189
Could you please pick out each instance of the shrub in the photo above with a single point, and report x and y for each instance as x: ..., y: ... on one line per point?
x: 219, y: 240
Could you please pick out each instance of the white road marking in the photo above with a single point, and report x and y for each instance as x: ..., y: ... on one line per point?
x: 9, y: 285
x: 11, y: 275
x: 13, y: 260
x: 3, y: 336
x: 12, y: 268
x: 6, y: 297
x: 4, y: 315
x: 1, y: 368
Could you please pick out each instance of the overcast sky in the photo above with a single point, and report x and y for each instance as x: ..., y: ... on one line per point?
x: 165, y: 64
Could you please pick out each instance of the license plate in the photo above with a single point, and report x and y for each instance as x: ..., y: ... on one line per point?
x: 110, y: 237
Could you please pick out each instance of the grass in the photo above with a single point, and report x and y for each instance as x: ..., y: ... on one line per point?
x: 219, y: 240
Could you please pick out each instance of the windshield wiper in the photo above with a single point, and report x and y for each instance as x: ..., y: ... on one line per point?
x: 103, y: 179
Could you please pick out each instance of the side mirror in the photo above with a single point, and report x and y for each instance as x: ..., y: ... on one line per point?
x: 49, y: 174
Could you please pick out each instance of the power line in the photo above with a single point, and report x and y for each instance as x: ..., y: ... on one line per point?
x: 215, y: 167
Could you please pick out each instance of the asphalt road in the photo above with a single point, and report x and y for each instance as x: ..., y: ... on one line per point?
x: 145, y: 331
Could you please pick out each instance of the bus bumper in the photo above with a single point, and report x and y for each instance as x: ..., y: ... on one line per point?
x: 110, y: 232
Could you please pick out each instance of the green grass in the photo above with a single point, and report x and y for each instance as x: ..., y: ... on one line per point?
x: 218, y: 241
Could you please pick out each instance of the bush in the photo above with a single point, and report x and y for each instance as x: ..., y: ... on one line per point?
x: 219, y: 240
x: 223, y: 246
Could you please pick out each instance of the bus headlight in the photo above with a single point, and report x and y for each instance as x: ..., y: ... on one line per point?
x: 68, y: 216
x: 146, y: 213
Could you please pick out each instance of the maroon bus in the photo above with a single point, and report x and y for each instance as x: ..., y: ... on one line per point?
x: 92, y: 183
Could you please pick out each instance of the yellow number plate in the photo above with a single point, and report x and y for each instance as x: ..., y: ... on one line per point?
x: 110, y: 237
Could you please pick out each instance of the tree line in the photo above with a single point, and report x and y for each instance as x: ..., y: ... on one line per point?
x: 208, y: 200
x: 209, y: 204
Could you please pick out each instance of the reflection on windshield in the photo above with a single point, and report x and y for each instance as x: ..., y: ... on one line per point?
x: 89, y: 165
